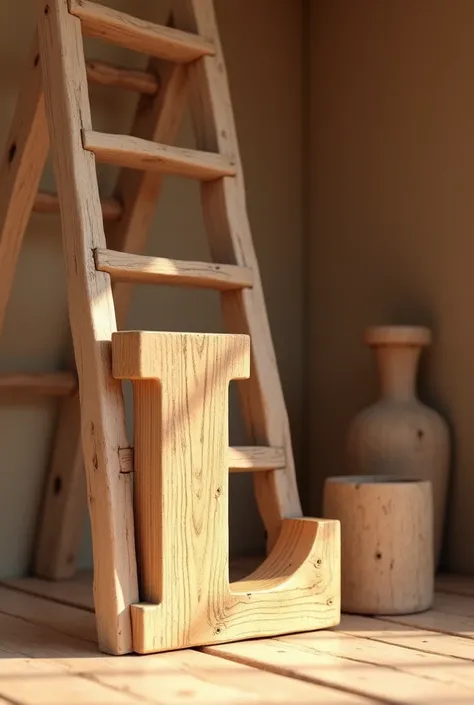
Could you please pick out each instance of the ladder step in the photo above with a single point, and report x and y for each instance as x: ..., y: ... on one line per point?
x: 139, y: 35
x: 47, y: 384
x: 106, y: 74
x: 136, y: 153
x: 256, y: 458
x: 46, y: 202
x: 241, y: 459
x: 127, y: 267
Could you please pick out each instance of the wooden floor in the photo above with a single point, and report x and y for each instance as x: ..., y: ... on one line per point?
x: 48, y: 656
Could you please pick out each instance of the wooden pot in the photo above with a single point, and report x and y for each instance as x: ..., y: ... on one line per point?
x: 387, y: 542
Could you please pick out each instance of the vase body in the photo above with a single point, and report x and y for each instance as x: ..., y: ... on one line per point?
x: 399, y: 435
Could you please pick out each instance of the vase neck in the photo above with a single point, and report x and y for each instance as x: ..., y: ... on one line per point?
x: 397, y: 370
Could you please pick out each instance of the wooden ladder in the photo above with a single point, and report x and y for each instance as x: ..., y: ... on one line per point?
x: 55, y: 100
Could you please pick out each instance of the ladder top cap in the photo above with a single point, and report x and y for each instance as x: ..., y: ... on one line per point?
x: 152, y: 354
x: 397, y: 335
x: 147, y: 336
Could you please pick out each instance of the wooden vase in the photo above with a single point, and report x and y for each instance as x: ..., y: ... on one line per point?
x: 387, y: 545
x: 398, y: 435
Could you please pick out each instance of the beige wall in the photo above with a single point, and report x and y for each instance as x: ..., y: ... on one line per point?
x: 262, y: 40
x: 392, y: 218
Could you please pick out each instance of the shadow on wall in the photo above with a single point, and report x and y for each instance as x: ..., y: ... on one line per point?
x: 392, y: 168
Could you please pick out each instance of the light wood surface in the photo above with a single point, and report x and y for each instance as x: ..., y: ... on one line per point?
x: 106, y: 74
x: 230, y: 237
x: 43, y: 663
x: 92, y: 322
x: 363, y: 661
x: 21, y: 167
x: 387, y: 542
x: 33, y: 384
x: 123, y: 266
x: 133, y: 33
x: 137, y: 153
x: 181, y: 383
x: 49, y: 203
x: 239, y: 459
x: 266, y: 414
x: 61, y: 524
x: 398, y: 434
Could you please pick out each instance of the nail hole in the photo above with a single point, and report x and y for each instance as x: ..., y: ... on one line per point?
x: 37, y: 58
x: 420, y: 433
x: 46, y: 9
x: 319, y: 561
x: 57, y: 485
x: 378, y: 555
x: 12, y: 152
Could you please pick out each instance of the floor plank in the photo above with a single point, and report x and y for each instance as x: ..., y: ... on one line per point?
x: 389, y: 673
x: 430, y: 642
x: 436, y: 621
x: 457, y: 584
x: 47, y: 667
x: 76, y: 591
x: 425, y: 659
x: 64, y: 619
x: 454, y: 604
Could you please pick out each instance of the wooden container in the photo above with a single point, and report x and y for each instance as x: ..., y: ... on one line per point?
x: 398, y: 434
x: 387, y: 542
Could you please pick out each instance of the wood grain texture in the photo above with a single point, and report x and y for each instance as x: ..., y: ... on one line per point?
x: 61, y: 521
x: 123, y: 266
x: 239, y: 459
x: 387, y: 661
x: 256, y: 459
x: 420, y: 640
x: 157, y: 118
x: 384, y: 672
x: 137, y: 153
x: 107, y: 74
x: 387, y: 543
x: 133, y: 33
x: 63, y: 618
x: 49, y: 203
x: 20, y: 171
x: 181, y: 385
x: 398, y: 434
x: 92, y: 322
x: 40, y: 665
x: 34, y: 384
x: 438, y: 620
x: 230, y: 237
x: 74, y: 592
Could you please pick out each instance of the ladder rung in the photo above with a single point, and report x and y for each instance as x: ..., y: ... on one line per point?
x: 256, y: 458
x: 241, y: 459
x: 46, y: 202
x: 136, y: 153
x: 48, y: 384
x: 127, y: 267
x: 106, y: 74
x: 133, y: 33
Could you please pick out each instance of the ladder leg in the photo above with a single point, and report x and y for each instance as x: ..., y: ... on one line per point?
x: 225, y: 213
x: 92, y: 319
x: 62, y: 519
x: 20, y: 172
